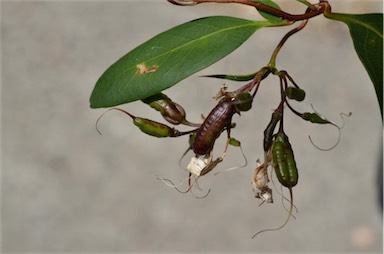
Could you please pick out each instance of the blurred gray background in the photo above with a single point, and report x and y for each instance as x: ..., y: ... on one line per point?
x: 67, y: 189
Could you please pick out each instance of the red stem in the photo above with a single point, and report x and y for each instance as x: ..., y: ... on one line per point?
x: 317, y: 10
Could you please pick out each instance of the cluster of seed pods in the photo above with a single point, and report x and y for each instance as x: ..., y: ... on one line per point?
x: 278, y: 152
x: 202, y: 136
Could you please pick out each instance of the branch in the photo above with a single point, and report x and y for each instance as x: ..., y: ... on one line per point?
x: 316, y: 10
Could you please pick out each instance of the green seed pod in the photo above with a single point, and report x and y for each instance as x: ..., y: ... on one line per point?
x: 153, y: 128
x: 243, y: 101
x: 234, y: 142
x: 191, y: 139
x: 284, y: 161
x: 268, y: 132
x: 295, y: 93
x: 171, y: 111
x: 149, y: 127
x: 314, y: 118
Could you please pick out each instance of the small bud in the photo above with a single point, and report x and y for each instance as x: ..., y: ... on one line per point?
x: 243, y: 101
x: 295, y: 93
x: 234, y: 142
x: 171, y: 112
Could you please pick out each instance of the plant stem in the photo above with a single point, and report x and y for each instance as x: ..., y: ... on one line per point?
x: 314, y: 11
x: 272, y: 62
x: 283, y: 83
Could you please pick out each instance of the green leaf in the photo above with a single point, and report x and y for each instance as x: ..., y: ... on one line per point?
x: 170, y: 57
x: 305, y: 2
x: 270, y: 17
x: 367, y: 35
x: 233, y: 77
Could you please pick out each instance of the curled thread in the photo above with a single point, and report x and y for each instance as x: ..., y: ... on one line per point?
x: 282, y: 196
x: 236, y: 167
x: 342, y: 116
x: 286, y: 220
x: 169, y: 183
x: 330, y: 148
x: 98, y: 119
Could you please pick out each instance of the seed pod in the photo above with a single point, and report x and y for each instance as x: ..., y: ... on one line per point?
x: 197, y: 164
x: 234, y: 142
x: 284, y: 161
x: 217, y: 120
x: 171, y: 111
x: 295, y: 93
x: 260, y: 182
x: 150, y: 127
x: 208, y: 168
x: 314, y: 118
x: 268, y: 132
x: 153, y: 128
x: 243, y: 101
